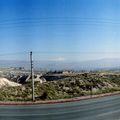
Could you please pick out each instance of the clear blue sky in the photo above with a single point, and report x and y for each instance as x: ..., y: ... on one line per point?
x: 61, y: 29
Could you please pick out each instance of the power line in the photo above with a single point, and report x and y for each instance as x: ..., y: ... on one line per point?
x: 58, y: 18
x: 59, y: 52
x: 58, y: 21
x: 13, y: 53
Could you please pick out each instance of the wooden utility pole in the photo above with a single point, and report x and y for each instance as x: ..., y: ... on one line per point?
x: 32, y: 76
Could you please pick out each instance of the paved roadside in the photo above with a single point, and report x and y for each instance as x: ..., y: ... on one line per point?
x: 58, y: 101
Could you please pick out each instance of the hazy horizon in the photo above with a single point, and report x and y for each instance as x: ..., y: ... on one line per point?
x: 101, y: 64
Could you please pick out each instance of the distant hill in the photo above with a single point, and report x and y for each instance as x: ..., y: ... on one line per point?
x: 52, y: 65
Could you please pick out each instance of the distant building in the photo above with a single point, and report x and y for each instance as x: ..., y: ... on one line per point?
x: 67, y: 72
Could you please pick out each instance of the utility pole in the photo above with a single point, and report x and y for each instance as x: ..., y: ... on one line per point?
x: 32, y: 76
x: 91, y: 87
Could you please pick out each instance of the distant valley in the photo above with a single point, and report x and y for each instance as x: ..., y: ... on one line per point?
x: 103, y: 64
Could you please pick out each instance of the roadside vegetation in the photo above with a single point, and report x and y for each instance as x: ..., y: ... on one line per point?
x: 69, y: 87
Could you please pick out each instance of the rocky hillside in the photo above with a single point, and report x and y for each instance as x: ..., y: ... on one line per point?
x: 70, y: 86
x: 6, y: 83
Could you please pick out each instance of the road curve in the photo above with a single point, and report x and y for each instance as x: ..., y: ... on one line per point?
x: 104, y: 108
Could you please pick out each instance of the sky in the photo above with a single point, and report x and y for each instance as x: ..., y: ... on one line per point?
x: 60, y: 30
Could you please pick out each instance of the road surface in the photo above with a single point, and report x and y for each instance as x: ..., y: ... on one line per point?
x: 104, y: 108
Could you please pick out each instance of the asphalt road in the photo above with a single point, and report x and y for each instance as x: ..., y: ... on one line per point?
x: 105, y: 108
